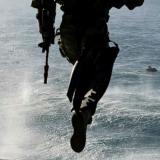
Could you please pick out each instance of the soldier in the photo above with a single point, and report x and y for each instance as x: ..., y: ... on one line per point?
x: 85, y: 43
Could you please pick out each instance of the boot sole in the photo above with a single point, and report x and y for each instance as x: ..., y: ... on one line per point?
x: 78, y: 138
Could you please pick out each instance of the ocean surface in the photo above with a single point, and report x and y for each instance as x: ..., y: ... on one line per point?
x: 35, y: 119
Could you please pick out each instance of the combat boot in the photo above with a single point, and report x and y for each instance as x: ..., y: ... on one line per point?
x: 80, y: 121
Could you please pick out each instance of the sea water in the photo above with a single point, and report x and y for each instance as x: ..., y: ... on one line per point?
x: 35, y: 118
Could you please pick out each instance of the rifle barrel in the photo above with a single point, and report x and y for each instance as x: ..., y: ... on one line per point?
x: 46, y: 67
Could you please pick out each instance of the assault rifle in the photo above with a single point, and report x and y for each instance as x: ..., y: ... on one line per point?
x: 46, y: 18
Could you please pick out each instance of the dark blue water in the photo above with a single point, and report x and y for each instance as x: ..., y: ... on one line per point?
x: 35, y: 118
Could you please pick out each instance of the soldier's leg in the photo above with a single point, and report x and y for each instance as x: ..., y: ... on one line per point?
x: 94, y: 81
x: 97, y: 61
x: 80, y: 119
x: 101, y: 77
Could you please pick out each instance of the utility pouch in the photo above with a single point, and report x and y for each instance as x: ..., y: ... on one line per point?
x: 107, y: 55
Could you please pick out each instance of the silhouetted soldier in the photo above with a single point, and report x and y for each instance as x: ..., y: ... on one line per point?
x: 85, y: 43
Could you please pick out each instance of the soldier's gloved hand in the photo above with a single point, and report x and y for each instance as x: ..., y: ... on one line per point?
x: 131, y: 4
x: 44, y: 46
x: 48, y: 39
